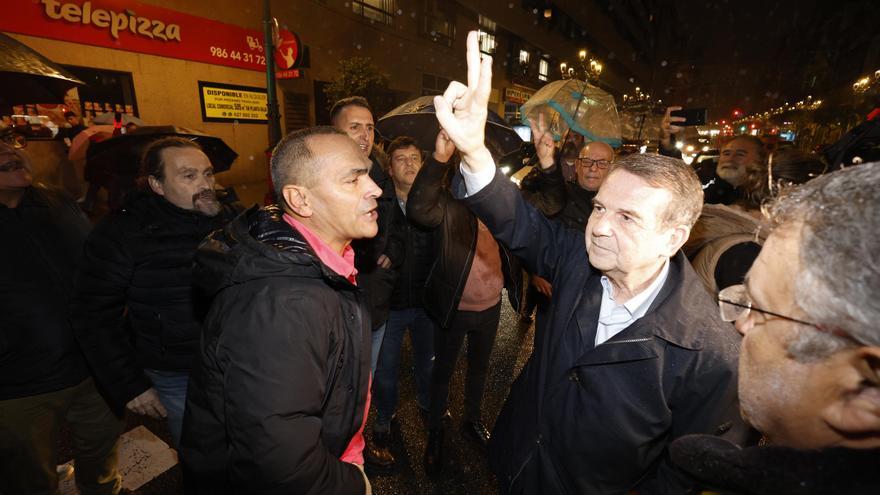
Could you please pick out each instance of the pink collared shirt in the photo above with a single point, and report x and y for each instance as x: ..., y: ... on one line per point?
x: 342, y: 265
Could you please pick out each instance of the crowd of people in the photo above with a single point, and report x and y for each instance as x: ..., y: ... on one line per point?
x: 709, y: 329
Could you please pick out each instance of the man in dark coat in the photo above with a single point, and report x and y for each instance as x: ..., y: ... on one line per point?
x: 407, y: 306
x: 278, y: 400
x: 136, y: 280
x: 632, y: 353
x: 462, y: 295
x: 810, y: 363
x: 354, y: 116
x: 44, y: 380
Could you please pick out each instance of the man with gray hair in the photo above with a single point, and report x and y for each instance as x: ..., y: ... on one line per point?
x: 279, y: 398
x: 631, y: 353
x: 810, y: 363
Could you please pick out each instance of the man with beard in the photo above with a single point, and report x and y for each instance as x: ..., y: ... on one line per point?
x: 743, y: 161
x: 135, y: 281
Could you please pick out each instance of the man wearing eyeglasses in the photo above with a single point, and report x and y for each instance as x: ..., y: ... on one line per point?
x: 810, y: 361
x: 631, y: 353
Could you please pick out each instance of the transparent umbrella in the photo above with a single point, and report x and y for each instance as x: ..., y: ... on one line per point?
x: 577, y: 106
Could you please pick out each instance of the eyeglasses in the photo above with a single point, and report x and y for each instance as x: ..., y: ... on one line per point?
x: 588, y: 162
x: 734, y: 303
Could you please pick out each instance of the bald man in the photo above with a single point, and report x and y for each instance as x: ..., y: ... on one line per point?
x: 575, y: 199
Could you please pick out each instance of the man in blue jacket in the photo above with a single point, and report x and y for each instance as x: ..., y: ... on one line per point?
x: 632, y: 353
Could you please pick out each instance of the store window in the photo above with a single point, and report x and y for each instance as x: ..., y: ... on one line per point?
x: 543, y: 69
x: 375, y: 10
x: 105, y: 91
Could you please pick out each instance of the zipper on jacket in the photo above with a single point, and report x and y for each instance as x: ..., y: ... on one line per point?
x: 462, y: 278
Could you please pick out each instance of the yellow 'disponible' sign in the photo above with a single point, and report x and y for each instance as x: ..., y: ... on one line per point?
x: 230, y: 103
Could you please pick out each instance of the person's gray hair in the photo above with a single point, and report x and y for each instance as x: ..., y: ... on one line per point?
x: 293, y: 161
x: 838, y: 273
x: 673, y: 175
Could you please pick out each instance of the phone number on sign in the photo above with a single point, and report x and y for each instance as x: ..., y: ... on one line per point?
x: 236, y: 55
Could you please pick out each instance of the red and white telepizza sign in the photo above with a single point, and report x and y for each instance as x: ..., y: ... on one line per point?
x: 139, y: 27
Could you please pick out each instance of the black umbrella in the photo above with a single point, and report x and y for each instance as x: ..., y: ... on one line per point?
x: 417, y: 120
x: 121, y: 154
x: 28, y: 77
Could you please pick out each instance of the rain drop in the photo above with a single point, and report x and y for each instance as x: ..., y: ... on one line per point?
x: 358, y: 46
x: 679, y: 75
x: 399, y: 11
x: 510, y: 5
x: 251, y: 157
x: 690, y: 100
x: 663, y: 63
x: 632, y: 80
x: 611, y: 55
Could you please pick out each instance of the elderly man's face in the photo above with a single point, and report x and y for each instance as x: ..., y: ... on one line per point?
x: 625, y: 235
x: 14, y: 174
x: 592, y: 165
x: 357, y: 122
x: 790, y: 401
x: 188, y: 181
x: 738, y: 158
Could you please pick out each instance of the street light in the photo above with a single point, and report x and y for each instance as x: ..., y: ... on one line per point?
x: 588, y: 69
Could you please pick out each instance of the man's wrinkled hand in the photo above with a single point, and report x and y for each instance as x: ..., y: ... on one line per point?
x: 543, y: 139
x: 543, y: 286
x: 147, y: 404
x: 462, y: 110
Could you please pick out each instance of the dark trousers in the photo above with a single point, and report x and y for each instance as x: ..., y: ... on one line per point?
x: 480, y: 327
x: 29, y: 441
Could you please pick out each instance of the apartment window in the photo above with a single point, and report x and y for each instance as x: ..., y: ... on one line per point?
x: 440, y: 28
x: 375, y: 10
x: 543, y: 69
x: 523, y: 57
x: 487, y: 35
x: 433, y: 85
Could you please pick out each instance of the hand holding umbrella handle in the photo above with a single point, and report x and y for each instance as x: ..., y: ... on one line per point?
x: 462, y: 110
x: 543, y: 139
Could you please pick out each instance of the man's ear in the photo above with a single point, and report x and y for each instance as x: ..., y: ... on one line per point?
x: 677, y: 238
x: 297, y: 199
x: 856, y: 411
x: 156, y: 185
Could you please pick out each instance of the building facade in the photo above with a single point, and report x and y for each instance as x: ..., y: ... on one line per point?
x: 157, y: 59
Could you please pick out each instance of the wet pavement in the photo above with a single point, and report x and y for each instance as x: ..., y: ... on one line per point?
x: 465, y: 469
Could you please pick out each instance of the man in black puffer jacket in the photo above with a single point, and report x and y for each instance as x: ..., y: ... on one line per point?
x: 134, y: 312
x: 278, y: 400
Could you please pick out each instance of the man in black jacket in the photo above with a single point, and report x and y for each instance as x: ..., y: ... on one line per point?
x: 44, y: 379
x: 407, y: 305
x: 632, y: 353
x: 462, y: 294
x: 135, y: 281
x: 810, y: 362
x: 354, y: 116
x: 278, y: 400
